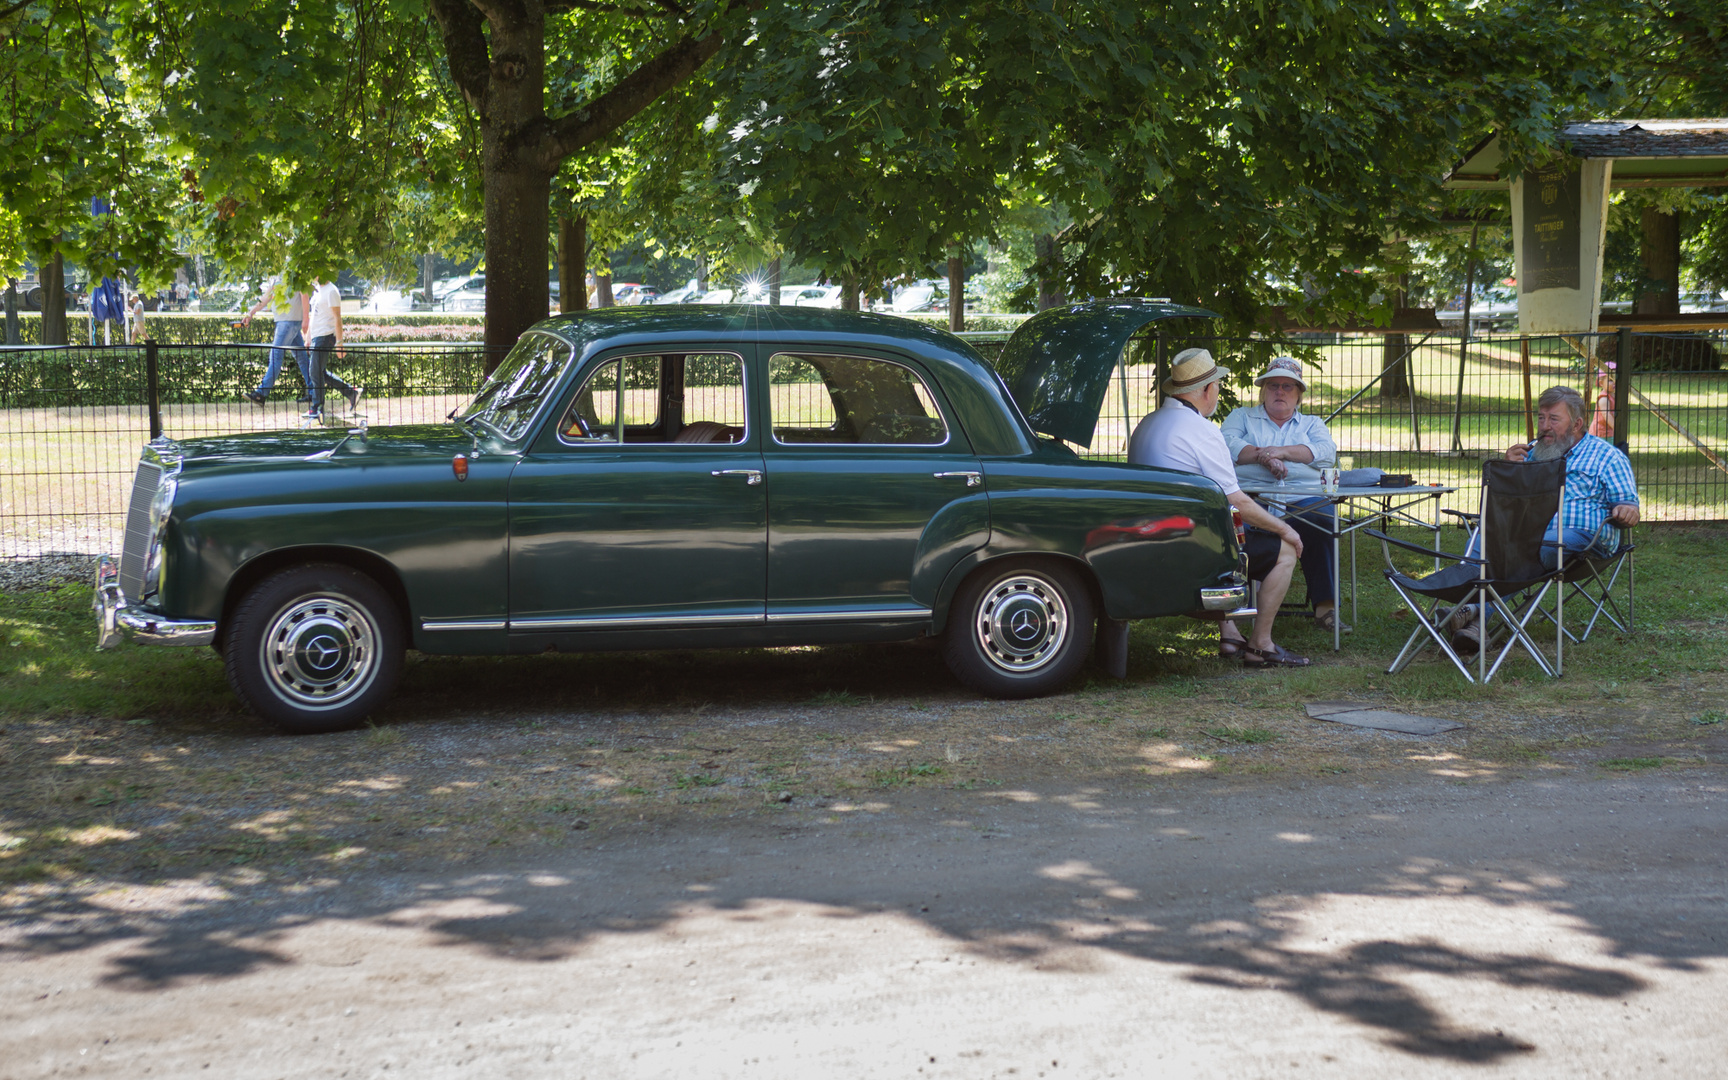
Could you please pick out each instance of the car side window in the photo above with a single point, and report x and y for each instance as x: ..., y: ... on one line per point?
x: 675, y: 398
x: 815, y: 398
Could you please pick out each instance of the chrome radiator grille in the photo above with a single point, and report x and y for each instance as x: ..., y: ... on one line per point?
x: 137, y: 544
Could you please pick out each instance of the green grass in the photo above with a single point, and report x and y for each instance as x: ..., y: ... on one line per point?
x: 1714, y: 716
x: 1633, y: 764
x: 905, y: 774
x: 1249, y: 735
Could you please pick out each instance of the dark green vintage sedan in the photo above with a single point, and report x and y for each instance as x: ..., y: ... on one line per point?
x: 682, y: 477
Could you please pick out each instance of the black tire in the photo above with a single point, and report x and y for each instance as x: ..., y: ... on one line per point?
x: 1019, y: 629
x: 314, y: 648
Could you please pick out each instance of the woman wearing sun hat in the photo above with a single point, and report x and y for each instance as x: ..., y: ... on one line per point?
x: 1276, y: 441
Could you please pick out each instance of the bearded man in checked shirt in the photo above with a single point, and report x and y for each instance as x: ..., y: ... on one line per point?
x: 1601, y: 496
x: 1600, y: 490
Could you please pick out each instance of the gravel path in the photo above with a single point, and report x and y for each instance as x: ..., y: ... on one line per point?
x: 46, y: 572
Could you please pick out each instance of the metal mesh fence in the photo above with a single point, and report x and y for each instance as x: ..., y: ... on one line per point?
x: 1442, y: 409
x: 72, y: 421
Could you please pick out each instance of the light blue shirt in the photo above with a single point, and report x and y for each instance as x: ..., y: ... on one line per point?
x: 1250, y: 426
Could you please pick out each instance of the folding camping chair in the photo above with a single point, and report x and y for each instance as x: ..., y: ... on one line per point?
x: 1591, y: 579
x: 1518, y: 501
x: 1588, y: 577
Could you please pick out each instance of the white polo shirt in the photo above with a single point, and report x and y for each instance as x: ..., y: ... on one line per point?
x: 1176, y: 436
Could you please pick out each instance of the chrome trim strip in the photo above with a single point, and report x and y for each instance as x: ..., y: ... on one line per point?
x: 117, y: 620
x: 463, y: 624
x: 878, y: 615
x: 630, y: 622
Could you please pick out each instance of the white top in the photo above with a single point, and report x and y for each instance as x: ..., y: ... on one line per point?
x: 285, y: 305
x: 1250, y: 426
x: 326, y: 299
x: 1176, y: 436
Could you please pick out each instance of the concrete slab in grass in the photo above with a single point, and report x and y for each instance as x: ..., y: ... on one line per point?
x: 1360, y: 714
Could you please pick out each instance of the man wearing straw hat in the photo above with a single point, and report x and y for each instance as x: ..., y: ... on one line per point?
x: 1180, y: 435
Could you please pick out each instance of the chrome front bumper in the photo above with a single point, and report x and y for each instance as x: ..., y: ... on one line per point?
x: 118, y: 620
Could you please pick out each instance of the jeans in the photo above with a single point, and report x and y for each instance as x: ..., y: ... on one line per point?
x: 1578, y: 541
x: 1312, y: 520
x: 321, y: 348
x: 287, y: 340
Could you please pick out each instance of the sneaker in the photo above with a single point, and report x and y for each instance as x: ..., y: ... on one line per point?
x: 1467, y: 640
x: 353, y: 397
x: 311, y: 414
x: 255, y: 398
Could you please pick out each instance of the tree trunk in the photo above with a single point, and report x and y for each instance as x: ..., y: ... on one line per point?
x: 956, y: 293
x: 774, y: 281
x: 517, y: 213
x: 12, y: 312
x: 54, y: 301
x: 1049, y: 287
x: 428, y: 267
x: 848, y: 293
x: 1396, y: 382
x: 1659, y: 292
x: 572, y: 263
x: 603, y: 281
x: 701, y: 273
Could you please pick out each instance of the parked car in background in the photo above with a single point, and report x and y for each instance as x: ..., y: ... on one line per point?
x: 716, y: 296
x: 921, y: 296
x: 687, y: 294
x: 817, y: 296
x: 391, y: 302
x: 632, y: 294
x: 464, y: 299
x: 682, y: 477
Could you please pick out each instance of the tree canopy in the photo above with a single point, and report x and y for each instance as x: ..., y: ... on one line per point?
x: 1232, y: 153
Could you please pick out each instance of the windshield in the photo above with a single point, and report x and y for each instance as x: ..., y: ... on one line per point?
x: 512, y: 396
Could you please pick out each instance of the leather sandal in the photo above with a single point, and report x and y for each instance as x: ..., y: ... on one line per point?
x: 1230, y: 648
x: 1276, y: 656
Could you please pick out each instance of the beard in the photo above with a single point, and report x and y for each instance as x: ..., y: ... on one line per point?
x: 1557, y: 447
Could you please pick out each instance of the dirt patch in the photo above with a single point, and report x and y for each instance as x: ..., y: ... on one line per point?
x: 451, y: 775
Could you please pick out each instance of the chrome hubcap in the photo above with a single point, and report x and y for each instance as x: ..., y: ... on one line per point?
x: 320, y: 652
x: 1022, y: 623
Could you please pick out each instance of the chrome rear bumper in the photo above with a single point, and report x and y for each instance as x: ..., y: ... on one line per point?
x: 118, y: 620
x: 1232, y: 599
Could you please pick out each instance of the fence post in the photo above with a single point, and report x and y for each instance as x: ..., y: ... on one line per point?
x: 152, y: 388
x: 1159, y: 374
x: 1524, y: 366
x: 1623, y: 388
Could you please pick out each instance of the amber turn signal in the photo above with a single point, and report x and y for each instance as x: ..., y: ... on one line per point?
x: 459, y: 466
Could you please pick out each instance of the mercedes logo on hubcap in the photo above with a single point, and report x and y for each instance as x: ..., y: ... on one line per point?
x: 321, y: 653
x: 1024, y: 625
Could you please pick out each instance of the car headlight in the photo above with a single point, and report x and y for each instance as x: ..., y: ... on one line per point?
x: 161, y: 506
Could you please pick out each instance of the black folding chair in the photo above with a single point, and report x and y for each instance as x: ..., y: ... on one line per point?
x: 1589, y: 578
x: 1518, y: 501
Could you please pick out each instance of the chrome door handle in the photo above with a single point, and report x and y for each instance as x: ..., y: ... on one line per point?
x: 751, y: 476
x: 973, y: 479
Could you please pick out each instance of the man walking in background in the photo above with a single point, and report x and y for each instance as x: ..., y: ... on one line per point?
x: 289, y: 309
x: 324, y: 334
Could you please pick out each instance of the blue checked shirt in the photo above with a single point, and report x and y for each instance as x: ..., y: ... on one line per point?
x: 1598, y: 478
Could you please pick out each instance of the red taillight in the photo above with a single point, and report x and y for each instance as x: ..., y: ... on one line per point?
x: 1241, y: 529
x: 459, y: 466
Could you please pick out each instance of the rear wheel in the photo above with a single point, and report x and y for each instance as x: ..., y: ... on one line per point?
x: 1019, y: 629
x: 315, y: 648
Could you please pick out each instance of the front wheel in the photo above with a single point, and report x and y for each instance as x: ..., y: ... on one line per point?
x: 315, y: 648
x: 1019, y: 630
